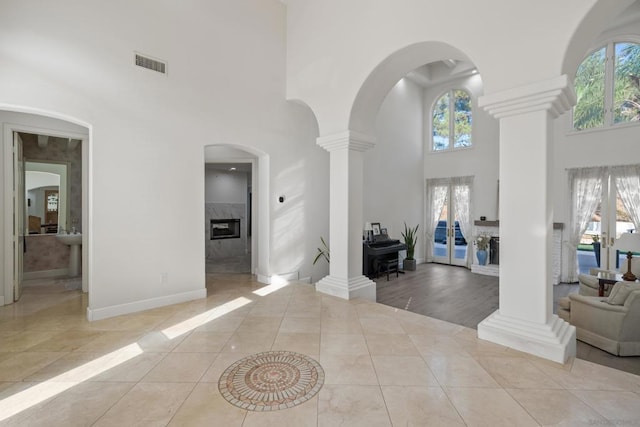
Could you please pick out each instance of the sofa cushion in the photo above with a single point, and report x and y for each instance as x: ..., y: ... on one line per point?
x: 621, y: 291
x: 564, y: 302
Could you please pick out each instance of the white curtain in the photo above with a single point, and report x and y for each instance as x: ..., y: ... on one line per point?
x: 436, y: 198
x: 461, y: 188
x: 586, y: 192
x: 627, y: 181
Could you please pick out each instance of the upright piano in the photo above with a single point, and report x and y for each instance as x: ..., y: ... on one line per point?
x: 374, y: 252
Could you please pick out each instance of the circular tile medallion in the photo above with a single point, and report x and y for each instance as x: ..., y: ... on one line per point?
x: 271, y: 380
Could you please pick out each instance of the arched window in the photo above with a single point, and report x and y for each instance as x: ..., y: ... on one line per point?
x: 607, y: 86
x: 452, y: 121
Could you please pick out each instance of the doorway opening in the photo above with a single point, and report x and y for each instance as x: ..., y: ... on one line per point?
x: 228, y: 213
x: 45, y: 192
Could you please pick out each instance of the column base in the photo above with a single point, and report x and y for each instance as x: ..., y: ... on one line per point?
x: 555, y: 340
x: 354, y: 287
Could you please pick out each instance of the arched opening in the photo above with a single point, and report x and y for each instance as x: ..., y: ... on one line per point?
x: 236, y: 223
x: 45, y: 253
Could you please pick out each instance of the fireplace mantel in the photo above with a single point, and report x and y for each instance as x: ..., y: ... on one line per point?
x: 556, y: 225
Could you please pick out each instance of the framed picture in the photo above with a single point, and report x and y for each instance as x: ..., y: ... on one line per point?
x: 376, y: 228
x: 383, y: 231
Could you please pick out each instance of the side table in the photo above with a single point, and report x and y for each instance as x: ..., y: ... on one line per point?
x: 607, y: 279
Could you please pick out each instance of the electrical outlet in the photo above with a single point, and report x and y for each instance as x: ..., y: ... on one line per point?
x: 164, y: 278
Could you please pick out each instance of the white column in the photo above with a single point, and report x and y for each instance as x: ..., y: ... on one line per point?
x: 525, y: 319
x: 345, y: 279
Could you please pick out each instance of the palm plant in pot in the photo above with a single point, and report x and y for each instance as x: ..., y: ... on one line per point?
x: 410, y: 238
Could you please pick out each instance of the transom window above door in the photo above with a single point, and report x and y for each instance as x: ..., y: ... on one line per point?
x: 451, y: 121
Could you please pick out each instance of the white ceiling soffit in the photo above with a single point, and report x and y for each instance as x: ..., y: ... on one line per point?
x: 439, y: 72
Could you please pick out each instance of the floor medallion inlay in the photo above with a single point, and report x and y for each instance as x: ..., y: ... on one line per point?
x: 271, y: 380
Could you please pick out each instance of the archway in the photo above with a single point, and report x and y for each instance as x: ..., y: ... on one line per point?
x: 31, y: 121
x: 259, y: 219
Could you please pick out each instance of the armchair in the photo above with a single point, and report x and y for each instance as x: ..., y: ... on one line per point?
x: 589, y: 282
x: 607, y: 324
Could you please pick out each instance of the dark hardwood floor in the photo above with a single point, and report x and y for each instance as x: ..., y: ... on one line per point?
x: 457, y: 295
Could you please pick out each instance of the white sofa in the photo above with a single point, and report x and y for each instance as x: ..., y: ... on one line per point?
x: 589, y: 282
x: 612, y: 323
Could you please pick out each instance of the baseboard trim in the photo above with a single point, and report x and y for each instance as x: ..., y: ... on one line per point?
x: 136, y: 306
x: 293, y: 276
x: 45, y: 274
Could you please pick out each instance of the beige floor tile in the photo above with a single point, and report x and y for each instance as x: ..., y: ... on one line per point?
x: 203, y: 342
x: 403, y: 370
x: 181, y: 367
x: 381, y: 325
x: 300, y: 324
x: 343, y: 344
x: 304, y: 343
x: 62, y: 411
x: 304, y: 309
x: 268, y: 310
x: 25, y: 364
x: 66, y: 341
x: 260, y: 324
x: 227, y: 323
x: 420, y: 406
x: 253, y: 342
x: 513, y: 372
x: 340, y: 325
x: 132, y: 370
x: 147, y: 404
x: 436, y: 345
x: 206, y: 407
x: 62, y: 365
x: 619, y: 407
x: 348, y: 369
x: 353, y: 406
x: 220, y: 364
x: 158, y: 342
x: 24, y: 340
x: 488, y: 407
x: 459, y: 371
x: 581, y: 376
x: 303, y: 415
x: 109, y: 341
x: 556, y: 407
x: 390, y: 345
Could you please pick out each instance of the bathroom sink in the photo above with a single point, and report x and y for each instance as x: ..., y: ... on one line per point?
x: 70, y: 239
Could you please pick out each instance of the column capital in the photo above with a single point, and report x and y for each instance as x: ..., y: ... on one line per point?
x: 554, y: 95
x: 346, y: 140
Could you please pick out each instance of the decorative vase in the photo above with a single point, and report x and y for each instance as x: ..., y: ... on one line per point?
x: 482, y: 256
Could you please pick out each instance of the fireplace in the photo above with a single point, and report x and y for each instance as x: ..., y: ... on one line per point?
x: 225, y: 229
x: 494, y: 250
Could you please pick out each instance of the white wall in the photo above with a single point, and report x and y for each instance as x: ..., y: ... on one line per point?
x: 225, y: 186
x: 393, y: 180
x: 479, y: 161
x: 225, y: 85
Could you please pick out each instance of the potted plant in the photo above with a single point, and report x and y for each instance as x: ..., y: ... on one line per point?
x: 410, y: 239
x: 323, y: 252
x: 482, y: 244
x: 596, y: 248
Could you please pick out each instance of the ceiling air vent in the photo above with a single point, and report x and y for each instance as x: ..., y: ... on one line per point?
x: 151, y: 64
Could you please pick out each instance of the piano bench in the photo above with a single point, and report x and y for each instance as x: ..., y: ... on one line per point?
x: 387, y: 266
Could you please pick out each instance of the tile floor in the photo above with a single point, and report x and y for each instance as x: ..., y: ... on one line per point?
x: 383, y: 366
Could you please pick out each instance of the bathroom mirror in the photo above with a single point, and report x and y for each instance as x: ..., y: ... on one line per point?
x: 46, y: 197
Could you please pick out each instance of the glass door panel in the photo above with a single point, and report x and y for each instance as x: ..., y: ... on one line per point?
x: 449, y: 244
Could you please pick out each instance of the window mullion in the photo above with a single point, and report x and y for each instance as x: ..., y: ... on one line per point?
x: 609, y: 73
x: 452, y: 136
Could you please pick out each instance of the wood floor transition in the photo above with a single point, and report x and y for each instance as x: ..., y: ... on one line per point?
x: 457, y: 295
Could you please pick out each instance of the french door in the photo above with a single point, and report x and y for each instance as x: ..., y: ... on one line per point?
x: 611, y: 219
x: 609, y: 200
x: 450, y: 221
